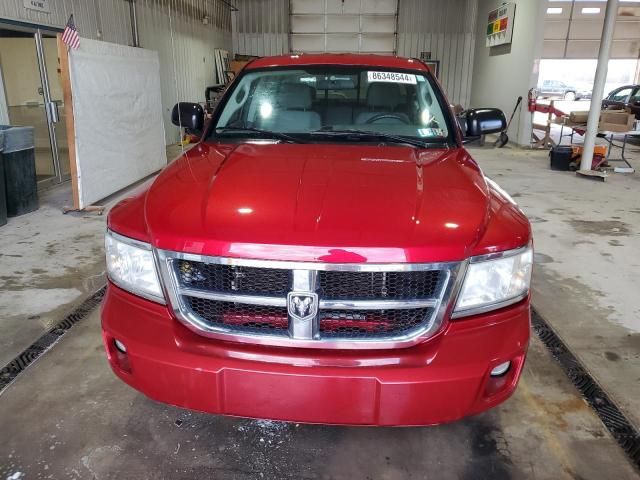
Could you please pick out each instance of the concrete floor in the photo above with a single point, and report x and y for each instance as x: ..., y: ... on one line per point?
x: 585, y: 283
x: 90, y: 425
x: 50, y: 263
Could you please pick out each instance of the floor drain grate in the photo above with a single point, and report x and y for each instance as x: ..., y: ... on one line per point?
x: 616, y: 422
x: 16, y: 366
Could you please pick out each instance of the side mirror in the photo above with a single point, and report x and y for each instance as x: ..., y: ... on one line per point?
x: 188, y: 115
x: 481, y: 121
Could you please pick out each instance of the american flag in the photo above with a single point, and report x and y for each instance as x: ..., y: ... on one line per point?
x: 70, y: 35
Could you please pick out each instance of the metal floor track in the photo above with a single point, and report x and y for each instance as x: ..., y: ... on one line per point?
x: 622, y: 430
x: 15, y: 367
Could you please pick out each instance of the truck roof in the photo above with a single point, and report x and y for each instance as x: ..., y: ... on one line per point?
x: 368, y: 60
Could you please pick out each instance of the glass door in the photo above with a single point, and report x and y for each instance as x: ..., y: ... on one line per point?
x: 50, y: 46
x: 29, y: 69
x: 51, y: 90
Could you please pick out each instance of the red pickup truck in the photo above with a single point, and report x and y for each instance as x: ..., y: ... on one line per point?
x: 328, y: 252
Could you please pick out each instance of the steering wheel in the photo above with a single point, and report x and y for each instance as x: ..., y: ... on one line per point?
x: 382, y: 116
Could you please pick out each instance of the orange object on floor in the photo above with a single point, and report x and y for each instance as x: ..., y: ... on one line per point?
x: 600, y: 150
x: 599, y: 155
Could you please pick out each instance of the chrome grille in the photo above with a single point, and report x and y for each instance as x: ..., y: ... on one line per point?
x: 331, y: 284
x: 354, y: 324
x: 233, y: 278
x: 370, y: 285
x: 240, y: 317
x: 308, y: 304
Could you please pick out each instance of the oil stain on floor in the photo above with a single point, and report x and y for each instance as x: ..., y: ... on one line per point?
x: 609, y: 228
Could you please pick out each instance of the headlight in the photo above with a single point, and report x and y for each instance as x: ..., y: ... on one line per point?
x: 130, y: 265
x: 492, y: 283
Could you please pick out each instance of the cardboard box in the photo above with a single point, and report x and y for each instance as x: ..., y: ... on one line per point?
x: 616, y: 121
x: 578, y: 117
x: 236, y: 65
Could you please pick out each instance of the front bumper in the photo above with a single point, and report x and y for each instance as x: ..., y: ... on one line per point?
x: 440, y: 380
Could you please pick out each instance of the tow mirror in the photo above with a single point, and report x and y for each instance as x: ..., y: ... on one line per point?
x: 189, y: 116
x: 481, y: 121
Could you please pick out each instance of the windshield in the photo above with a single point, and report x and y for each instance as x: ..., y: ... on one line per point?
x: 329, y: 102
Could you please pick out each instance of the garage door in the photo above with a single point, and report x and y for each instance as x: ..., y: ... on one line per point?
x: 366, y: 26
x: 573, y: 29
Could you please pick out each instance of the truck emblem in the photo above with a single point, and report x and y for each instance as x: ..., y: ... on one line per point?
x: 302, y: 306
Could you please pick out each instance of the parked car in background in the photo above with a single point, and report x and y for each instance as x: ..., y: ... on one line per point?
x: 559, y: 89
x: 329, y: 252
x: 584, y: 91
x: 624, y: 97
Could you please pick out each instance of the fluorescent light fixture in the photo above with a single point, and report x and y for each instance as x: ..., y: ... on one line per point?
x: 554, y: 10
x: 590, y: 10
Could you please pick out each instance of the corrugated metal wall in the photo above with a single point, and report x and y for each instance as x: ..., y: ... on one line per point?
x: 261, y: 27
x: 344, y: 26
x: 192, y: 49
x: 109, y: 20
x: 446, y: 28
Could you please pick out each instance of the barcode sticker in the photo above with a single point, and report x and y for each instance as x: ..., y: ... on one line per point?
x: 393, y: 77
x: 431, y: 132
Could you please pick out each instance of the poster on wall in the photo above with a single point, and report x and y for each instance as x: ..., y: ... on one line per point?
x: 434, y: 66
x: 500, y: 25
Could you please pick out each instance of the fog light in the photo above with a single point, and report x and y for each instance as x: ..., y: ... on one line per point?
x: 121, y: 348
x: 499, y: 370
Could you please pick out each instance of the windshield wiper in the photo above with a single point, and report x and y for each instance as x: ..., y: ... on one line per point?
x: 276, y: 135
x: 369, y: 134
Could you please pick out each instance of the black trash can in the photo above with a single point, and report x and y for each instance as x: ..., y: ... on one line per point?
x: 561, y: 157
x: 3, y: 194
x: 19, y: 170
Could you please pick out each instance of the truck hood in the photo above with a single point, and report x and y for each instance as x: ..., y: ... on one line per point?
x: 333, y: 203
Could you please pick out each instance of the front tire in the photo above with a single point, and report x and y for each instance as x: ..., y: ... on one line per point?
x: 570, y: 96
